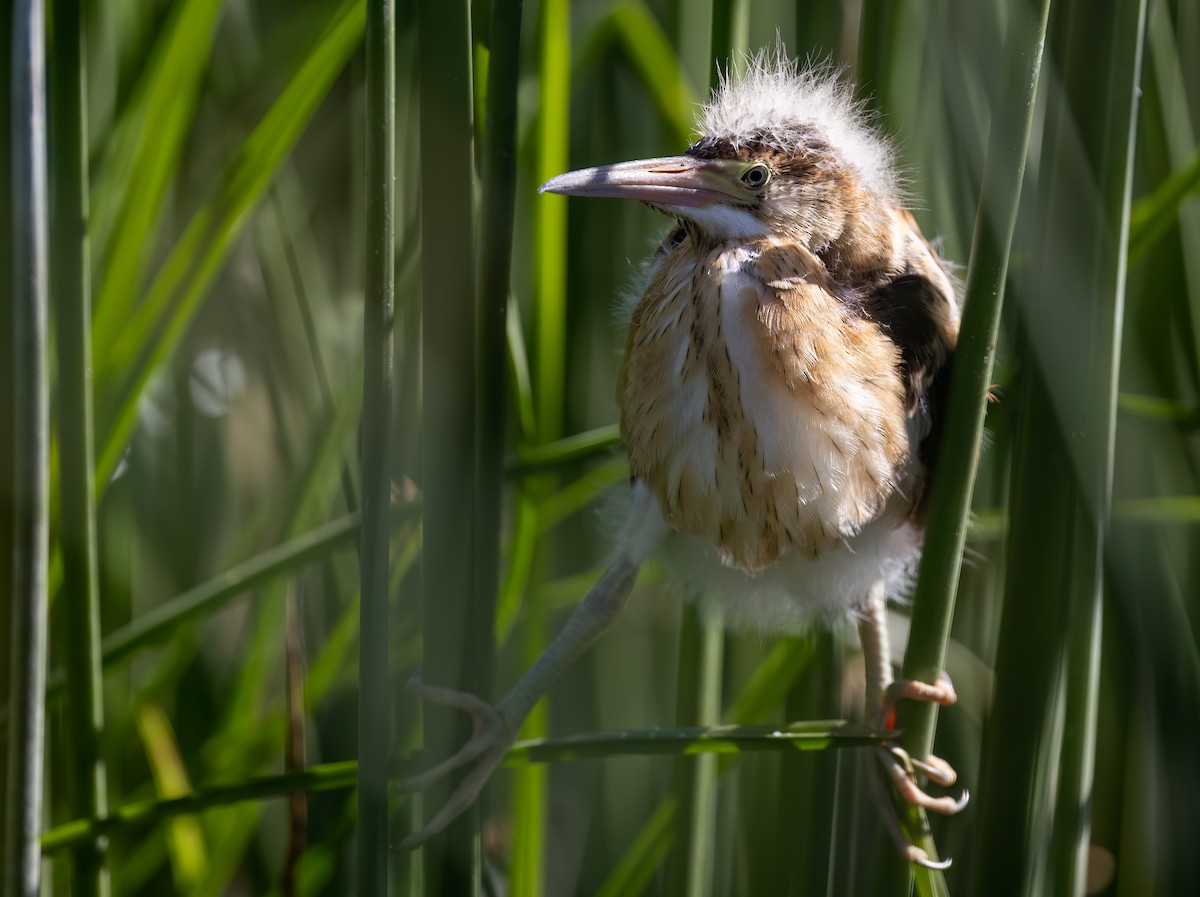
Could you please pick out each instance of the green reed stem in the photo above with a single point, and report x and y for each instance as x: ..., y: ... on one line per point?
x: 729, y: 36
x: 1115, y: 125
x: 550, y: 219
x: 456, y: 637
x: 1062, y: 472
x: 374, y: 706
x: 552, y: 455
x: 8, y: 429
x: 701, y: 661
x: 326, y: 777
x: 495, y: 263
x: 950, y: 500
x: 21, y: 859
x: 77, y: 517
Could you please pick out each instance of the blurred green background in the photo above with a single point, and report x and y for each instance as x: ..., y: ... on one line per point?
x: 226, y: 147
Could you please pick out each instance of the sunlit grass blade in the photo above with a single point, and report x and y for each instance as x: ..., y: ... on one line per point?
x: 550, y: 221
x: 809, y: 735
x: 150, y: 335
x: 143, y: 158
x: 184, y: 836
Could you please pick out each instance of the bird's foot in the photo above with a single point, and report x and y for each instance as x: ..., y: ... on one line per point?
x: 492, y: 736
x: 899, y: 770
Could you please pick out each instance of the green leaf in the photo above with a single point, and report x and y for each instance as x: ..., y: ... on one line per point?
x: 151, y: 333
x: 185, y: 840
x: 1153, y: 215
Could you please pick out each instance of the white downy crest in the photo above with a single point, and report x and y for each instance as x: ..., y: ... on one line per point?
x: 780, y: 102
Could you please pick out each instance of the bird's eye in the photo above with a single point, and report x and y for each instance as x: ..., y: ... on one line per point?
x: 756, y: 177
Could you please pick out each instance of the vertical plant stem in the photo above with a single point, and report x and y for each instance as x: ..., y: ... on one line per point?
x: 495, y: 263
x: 807, y: 835
x: 950, y: 501
x: 550, y: 218
x: 498, y: 207
x: 553, y: 138
x: 8, y: 435
x: 1117, y: 129
x: 730, y: 34
x: 374, y: 729
x: 77, y: 517
x: 457, y: 635
x: 701, y: 660
x: 1091, y: 131
x: 1063, y: 469
x: 875, y: 27
x: 294, y: 754
x: 30, y: 551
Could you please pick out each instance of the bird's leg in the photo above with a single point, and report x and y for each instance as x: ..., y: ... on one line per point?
x: 894, y: 764
x: 496, y: 727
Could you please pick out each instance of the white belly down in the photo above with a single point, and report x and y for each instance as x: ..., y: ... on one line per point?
x: 788, y: 595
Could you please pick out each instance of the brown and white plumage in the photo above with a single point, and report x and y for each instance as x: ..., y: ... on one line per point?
x: 775, y: 391
x: 779, y: 397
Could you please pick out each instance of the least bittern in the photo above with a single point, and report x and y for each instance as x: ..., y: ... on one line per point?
x: 780, y: 398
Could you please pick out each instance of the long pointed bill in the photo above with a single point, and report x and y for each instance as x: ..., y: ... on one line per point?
x: 670, y: 181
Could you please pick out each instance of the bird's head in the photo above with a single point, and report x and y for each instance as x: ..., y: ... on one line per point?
x: 782, y: 151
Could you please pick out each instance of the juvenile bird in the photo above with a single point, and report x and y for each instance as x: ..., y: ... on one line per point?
x: 780, y: 397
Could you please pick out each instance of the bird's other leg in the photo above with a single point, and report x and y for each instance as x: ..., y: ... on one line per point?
x: 896, y: 766
x: 496, y: 727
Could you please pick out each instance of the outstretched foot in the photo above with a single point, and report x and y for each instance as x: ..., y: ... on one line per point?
x: 899, y: 770
x: 490, y: 740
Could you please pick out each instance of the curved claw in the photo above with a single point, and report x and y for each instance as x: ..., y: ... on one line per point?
x: 491, y: 738
x: 939, y: 865
x: 897, y: 769
x: 909, y: 852
x: 938, y: 770
x: 898, y: 766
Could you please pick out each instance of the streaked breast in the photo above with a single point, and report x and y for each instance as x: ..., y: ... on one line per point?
x: 762, y: 414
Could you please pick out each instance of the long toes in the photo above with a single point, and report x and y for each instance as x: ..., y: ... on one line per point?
x: 909, y: 852
x: 915, y: 690
x: 924, y: 860
x: 896, y: 764
x: 470, y: 704
x: 938, y: 770
x: 464, y: 795
x: 470, y: 751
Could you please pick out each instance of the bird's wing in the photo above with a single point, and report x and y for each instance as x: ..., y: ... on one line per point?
x: 919, y: 311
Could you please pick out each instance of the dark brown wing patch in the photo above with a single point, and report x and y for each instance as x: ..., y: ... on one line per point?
x: 913, y: 313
